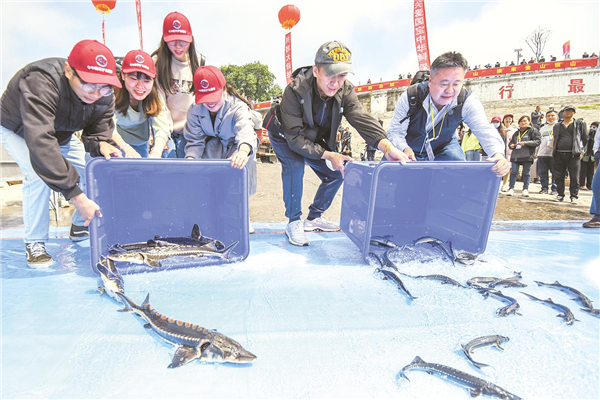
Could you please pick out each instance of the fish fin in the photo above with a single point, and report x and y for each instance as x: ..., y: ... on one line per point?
x: 417, y: 360
x: 499, y: 346
x: 557, y: 283
x: 401, y: 374
x: 211, y: 246
x: 227, y: 250
x: 148, y: 261
x: 101, y: 290
x: 148, y: 326
x: 151, y: 243
x: 549, y: 300
x: 127, y: 301
x: 479, y: 365
x: 183, y: 355
x: 157, y: 237
x: 196, y: 232
x: 518, y: 313
x: 539, y: 283
x: 146, y: 302
x: 474, y: 392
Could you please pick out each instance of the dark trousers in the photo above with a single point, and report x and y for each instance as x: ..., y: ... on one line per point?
x: 371, y: 155
x: 564, y: 162
x: 586, y: 174
x: 514, y: 171
x: 545, y: 165
x: 292, y: 175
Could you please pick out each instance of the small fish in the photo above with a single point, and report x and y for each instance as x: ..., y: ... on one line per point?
x: 428, y: 239
x: 382, y: 242
x: 565, y: 313
x: 506, y: 283
x: 512, y: 306
x: 592, y: 311
x: 581, y: 298
x: 476, y: 386
x: 495, y: 340
x: 438, y: 244
x: 111, y: 281
x: 478, y: 280
x: 390, y: 275
x: 445, y: 279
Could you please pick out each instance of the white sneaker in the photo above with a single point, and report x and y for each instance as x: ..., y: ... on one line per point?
x: 250, y: 228
x: 525, y: 193
x: 295, y: 233
x: 510, y: 192
x: 320, y: 224
x: 504, y: 188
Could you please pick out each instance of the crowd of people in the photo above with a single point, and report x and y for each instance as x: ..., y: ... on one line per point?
x: 171, y: 104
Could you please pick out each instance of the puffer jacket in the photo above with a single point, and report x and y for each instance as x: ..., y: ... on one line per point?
x: 531, y: 139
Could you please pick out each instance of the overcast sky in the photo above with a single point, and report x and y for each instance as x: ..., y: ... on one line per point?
x: 379, y: 33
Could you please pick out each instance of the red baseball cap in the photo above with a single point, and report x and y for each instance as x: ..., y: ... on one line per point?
x: 209, y: 83
x: 496, y: 119
x: 94, y: 63
x: 139, y: 61
x: 177, y: 27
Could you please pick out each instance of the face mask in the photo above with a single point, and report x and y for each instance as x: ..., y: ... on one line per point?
x: 496, y: 124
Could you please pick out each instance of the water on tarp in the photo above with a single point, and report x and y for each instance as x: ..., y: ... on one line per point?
x: 321, y: 322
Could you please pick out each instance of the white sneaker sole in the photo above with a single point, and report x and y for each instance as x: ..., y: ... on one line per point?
x: 318, y: 229
x: 47, y: 264
x: 296, y: 243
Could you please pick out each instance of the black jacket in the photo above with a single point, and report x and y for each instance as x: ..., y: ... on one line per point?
x: 297, y: 119
x: 531, y: 140
x: 579, y: 137
x: 40, y: 106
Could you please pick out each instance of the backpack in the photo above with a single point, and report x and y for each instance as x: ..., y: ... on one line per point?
x: 272, y: 120
x: 415, y: 102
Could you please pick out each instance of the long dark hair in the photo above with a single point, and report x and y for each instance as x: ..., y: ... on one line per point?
x: 163, y: 55
x: 151, y: 103
x: 231, y: 90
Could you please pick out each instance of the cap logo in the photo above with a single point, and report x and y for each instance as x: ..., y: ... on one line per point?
x: 339, y: 54
x: 101, y: 61
x: 204, y: 83
x: 176, y: 24
x: 139, y: 59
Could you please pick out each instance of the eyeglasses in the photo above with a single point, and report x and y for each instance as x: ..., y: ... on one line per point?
x: 181, y: 43
x: 90, y: 88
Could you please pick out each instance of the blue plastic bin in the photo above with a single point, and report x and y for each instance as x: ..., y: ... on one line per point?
x: 446, y: 200
x: 140, y: 198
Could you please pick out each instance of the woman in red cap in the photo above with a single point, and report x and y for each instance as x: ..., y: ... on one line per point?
x: 509, y: 130
x: 139, y: 106
x: 176, y: 60
x: 220, y: 124
x: 43, y: 105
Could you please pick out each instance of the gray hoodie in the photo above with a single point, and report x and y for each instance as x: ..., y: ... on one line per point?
x: 544, y: 149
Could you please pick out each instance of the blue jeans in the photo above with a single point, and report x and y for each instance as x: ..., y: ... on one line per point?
x: 292, y: 175
x: 36, y: 194
x: 473, y: 155
x: 176, y: 146
x: 142, y: 149
x: 514, y: 171
x: 450, y: 152
x: 595, y: 206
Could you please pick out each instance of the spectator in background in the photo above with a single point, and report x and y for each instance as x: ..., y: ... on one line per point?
x: 523, y: 62
x: 545, y: 160
x: 552, y: 58
x: 531, y: 61
x: 497, y: 124
x: 369, y: 81
x: 497, y: 65
x: 569, y: 137
x: 512, y: 63
x: 471, y: 146
x: 506, y: 125
x: 408, y: 76
x: 542, y: 59
x: 585, y: 55
x: 594, y: 55
x: 536, y: 117
x: 587, y: 160
x: 400, y: 76
x: 523, y: 144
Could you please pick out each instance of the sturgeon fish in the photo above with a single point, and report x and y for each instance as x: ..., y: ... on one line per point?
x: 581, y: 298
x: 476, y: 386
x: 476, y: 281
x: 196, y: 238
x: 382, y: 242
x: 495, y: 340
x: 592, y: 311
x: 438, y: 244
x: 506, y: 282
x: 154, y: 256
x: 443, y: 278
x: 390, y: 275
x: 111, y: 281
x: 512, y: 306
x: 565, y: 313
x: 192, y: 341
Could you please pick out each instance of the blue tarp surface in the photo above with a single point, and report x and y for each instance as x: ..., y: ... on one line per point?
x: 321, y: 322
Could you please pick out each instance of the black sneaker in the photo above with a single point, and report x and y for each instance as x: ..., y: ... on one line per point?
x: 37, y: 257
x: 79, y: 233
x: 560, y: 198
x: 543, y: 191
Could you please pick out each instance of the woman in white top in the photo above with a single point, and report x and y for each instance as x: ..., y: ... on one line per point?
x: 139, y: 109
x: 176, y: 60
x: 220, y: 125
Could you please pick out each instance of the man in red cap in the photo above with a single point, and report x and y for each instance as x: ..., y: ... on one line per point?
x: 43, y: 105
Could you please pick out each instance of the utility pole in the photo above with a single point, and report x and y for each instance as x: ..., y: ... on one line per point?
x: 518, y: 54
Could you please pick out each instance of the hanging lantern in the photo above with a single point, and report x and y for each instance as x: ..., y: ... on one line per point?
x: 289, y: 16
x: 104, y: 6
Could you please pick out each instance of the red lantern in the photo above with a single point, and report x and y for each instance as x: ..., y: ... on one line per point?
x: 289, y: 16
x: 104, y: 6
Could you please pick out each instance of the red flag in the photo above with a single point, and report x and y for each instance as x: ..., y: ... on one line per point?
x: 421, y: 41
x: 138, y: 11
x: 288, y: 57
x: 567, y: 49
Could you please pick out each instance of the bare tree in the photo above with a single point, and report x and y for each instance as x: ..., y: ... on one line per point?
x: 537, y: 40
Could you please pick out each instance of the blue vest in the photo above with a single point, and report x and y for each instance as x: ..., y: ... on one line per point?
x: 415, y: 134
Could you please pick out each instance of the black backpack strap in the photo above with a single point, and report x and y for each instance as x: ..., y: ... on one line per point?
x: 413, y: 101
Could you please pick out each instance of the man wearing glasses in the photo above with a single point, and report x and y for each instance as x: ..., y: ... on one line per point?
x: 43, y: 105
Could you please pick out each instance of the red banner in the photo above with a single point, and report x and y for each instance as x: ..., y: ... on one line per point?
x: 421, y: 41
x: 288, y: 57
x: 567, y: 49
x: 516, y: 69
x: 138, y: 11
